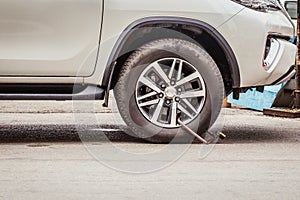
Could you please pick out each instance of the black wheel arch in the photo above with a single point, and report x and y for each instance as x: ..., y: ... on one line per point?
x: 146, y: 30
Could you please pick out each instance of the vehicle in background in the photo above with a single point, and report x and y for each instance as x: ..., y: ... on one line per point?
x: 291, y: 8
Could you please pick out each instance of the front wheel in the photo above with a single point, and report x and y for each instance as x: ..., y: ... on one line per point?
x: 165, y: 80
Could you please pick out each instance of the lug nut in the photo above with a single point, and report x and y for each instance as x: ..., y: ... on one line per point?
x: 172, y: 83
x: 161, y: 95
x: 179, y: 90
x: 168, y: 102
x: 177, y: 99
x: 163, y: 86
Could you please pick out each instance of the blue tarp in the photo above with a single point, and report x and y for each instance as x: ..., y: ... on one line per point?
x: 256, y: 100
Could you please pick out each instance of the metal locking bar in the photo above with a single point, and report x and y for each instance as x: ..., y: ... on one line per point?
x: 190, y: 131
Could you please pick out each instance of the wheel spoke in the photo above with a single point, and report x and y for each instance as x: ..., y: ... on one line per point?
x: 149, y: 103
x: 179, y: 70
x: 187, y: 79
x: 157, y: 111
x: 167, y: 86
x: 161, y: 72
x: 150, y: 84
x: 193, y: 93
x: 190, y: 105
x: 174, y: 114
x: 150, y: 94
x: 172, y: 69
x: 180, y: 107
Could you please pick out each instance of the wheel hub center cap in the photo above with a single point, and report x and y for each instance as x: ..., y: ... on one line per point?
x: 170, y: 92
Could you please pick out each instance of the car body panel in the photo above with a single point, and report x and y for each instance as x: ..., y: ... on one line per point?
x: 65, y: 46
x: 123, y: 13
x: 248, y: 43
x: 49, y: 37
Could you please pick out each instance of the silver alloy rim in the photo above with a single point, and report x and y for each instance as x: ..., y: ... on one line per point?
x: 170, y: 88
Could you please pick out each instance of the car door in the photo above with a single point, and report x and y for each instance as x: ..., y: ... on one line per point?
x: 49, y: 37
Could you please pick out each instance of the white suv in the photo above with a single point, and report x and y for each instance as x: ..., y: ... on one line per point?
x: 165, y: 60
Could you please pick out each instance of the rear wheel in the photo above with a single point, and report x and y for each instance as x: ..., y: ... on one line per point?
x: 165, y: 80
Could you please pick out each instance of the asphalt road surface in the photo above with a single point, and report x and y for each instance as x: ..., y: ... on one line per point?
x: 43, y: 156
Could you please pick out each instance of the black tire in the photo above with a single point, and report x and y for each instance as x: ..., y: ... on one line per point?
x: 125, y: 89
